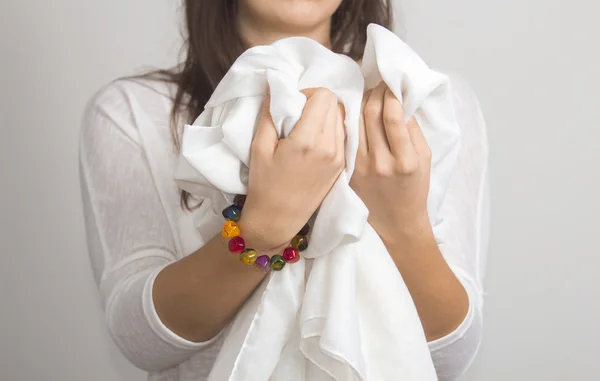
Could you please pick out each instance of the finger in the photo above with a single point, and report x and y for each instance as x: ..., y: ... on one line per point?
x: 331, y: 124
x: 316, y: 110
x: 333, y: 131
x: 373, y: 113
x: 340, y: 137
x: 395, y: 128
x: 266, y: 137
x: 417, y: 138
x: 310, y: 91
x: 363, y: 144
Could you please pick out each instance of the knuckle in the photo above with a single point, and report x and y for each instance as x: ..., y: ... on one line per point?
x: 392, y: 118
x: 325, y: 94
x: 340, y: 160
x: 373, y: 110
x: 407, y: 166
x: 305, y: 147
x: 328, y: 154
x: 299, y: 145
x: 382, y: 169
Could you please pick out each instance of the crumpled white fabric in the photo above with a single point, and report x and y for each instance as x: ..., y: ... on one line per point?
x: 342, y: 312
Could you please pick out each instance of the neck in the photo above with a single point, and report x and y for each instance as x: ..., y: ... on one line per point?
x: 257, y: 32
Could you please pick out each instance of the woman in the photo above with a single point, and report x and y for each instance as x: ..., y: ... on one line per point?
x: 168, y: 292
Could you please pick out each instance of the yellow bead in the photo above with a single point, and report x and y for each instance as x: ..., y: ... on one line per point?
x: 230, y: 229
x: 248, y: 256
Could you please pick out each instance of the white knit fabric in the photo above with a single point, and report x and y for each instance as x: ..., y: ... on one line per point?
x: 136, y: 226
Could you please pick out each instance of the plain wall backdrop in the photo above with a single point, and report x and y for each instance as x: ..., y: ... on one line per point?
x: 534, y: 65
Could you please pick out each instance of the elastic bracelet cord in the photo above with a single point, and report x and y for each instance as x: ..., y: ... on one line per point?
x: 248, y: 256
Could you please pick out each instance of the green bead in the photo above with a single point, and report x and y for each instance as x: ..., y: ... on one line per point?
x: 248, y: 256
x: 277, y: 262
x: 299, y: 242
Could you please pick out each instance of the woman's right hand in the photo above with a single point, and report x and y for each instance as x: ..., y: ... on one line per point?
x: 290, y: 177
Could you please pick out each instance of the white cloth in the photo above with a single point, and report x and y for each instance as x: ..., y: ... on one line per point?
x: 352, y: 317
x: 136, y: 226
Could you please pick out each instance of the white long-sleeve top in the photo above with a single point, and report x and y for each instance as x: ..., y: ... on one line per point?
x: 136, y: 226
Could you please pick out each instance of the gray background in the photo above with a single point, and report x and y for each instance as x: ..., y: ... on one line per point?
x: 534, y: 65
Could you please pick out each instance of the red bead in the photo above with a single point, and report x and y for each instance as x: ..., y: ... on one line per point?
x: 237, y: 245
x: 291, y: 255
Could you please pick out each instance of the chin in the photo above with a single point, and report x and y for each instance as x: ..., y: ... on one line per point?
x: 297, y: 15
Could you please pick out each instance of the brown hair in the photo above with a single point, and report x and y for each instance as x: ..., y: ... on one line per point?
x: 213, y: 43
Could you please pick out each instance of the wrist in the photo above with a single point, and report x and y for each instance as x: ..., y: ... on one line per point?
x: 258, y: 237
x: 418, y: 231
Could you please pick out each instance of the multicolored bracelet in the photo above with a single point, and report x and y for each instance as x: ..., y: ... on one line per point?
x: 248, y: 256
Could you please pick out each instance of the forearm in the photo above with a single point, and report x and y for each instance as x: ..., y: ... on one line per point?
x: 440, y: 298
x: 198, y: 295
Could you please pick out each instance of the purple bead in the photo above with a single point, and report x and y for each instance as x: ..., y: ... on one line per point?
x: 263, y: 263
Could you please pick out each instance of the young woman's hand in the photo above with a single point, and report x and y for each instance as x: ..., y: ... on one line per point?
x: 290, y: 177
x: 392, y: 168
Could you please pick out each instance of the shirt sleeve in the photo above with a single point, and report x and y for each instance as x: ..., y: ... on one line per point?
x: 465, y: 213
x: 129, y: 236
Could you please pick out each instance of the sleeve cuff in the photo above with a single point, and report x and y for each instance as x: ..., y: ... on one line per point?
x: 159, y: 328
x: 463, y: 328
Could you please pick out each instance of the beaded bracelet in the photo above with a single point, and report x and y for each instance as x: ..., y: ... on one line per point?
x: 237, y: 244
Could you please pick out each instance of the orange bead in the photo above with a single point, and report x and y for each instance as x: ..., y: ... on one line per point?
x: 230, y: 229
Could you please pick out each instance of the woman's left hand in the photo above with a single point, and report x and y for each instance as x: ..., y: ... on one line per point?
x: 392, y: 178
x: 392, y: 169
